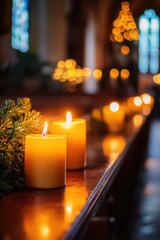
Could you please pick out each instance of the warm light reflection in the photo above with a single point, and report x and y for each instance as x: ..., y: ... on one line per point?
x: 69, y: 209
x: 45, y: 231
x: 45, y: 129
x: 137, y: 120
x: 41, y: 221
x: 75, y: 198
x: 113, y: 144
x: 114, y: 106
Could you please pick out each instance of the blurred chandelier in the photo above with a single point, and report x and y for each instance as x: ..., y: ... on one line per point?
x: 124, y: 26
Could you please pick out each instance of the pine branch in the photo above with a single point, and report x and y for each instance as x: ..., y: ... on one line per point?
x: 16, y: 121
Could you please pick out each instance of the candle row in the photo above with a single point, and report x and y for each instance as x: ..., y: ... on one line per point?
x: 47, y: 156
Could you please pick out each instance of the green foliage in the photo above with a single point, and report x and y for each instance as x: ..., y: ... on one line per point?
x: 16, y: 121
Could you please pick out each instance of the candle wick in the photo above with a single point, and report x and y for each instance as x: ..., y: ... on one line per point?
x: 44, y: 134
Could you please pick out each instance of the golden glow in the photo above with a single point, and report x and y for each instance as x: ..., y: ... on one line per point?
x: 125, y: 50
x: 69, y: 209
x: 113, y: 144
x: 60, y: 64
x: 156, y: 78
x: 114, y: 116
x: 137, y: 101
x: 147, y: 110
x: 114, y: 106
x: 69, y: 73
x: 125, y: 73
x: 134, y: 104
x: 148, y: 102
x: 70, y: 63
x: 45, y: 129
x: 137, y: 120
x: 96, y: 114
x: 45, y: 231
x: 75, y: 199
x: 146, y: 98
x: 124, y: 27
x: 86, y: 72
x: 41, y: 222
x: 68, y: 117
x: 97, y: 74
x: 114, y: 73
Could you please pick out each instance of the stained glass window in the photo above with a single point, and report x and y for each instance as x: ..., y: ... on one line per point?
x: 149, y: 42
x: 20, y: 25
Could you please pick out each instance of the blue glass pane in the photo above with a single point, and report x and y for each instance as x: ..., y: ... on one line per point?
x: 154, y: 65
x: 149, y: 42
x: 143, y: 64
x: 20, y: 25
x: 143, y: 24
x: 149, y: 13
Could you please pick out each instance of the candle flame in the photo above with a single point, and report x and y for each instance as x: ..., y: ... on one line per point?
x: 137, y: 101
x: 114, y: 106
x: 45, y: 129
x: 68, y: 117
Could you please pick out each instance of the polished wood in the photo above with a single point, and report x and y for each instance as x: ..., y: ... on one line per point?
x: 64, y: 213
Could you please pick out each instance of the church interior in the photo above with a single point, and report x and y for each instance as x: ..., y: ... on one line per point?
x: 99, y: 60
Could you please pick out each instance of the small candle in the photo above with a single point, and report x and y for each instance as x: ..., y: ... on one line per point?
x: 75, y: 130
x: 45, y: 160
x: 134, y: 104
x: 114, y: 115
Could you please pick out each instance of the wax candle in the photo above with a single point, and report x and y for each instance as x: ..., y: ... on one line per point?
x: 45, y: 160
x: 148, y: 102
x: 134, y: 104
x: 114, y: 115
x: 75, y: 130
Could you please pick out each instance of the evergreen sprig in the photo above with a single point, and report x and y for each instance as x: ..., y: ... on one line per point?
x: 16, y: 121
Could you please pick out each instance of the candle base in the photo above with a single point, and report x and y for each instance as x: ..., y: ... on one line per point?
x: 44, y: 186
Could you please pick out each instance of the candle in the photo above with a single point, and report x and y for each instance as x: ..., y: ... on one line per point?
x: 45, y: 160
x: 134, y: 104
x: 148, y: 102
x: 75, y: 130
x: 114, y: 115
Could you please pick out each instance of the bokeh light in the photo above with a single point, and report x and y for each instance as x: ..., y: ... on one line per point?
x: 124, y: 27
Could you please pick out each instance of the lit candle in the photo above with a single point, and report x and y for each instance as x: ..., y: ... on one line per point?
x: 114, y: 115
x: 148, y: 102
x: 134, y: 104
x: 45, y: 160
x: 75, y: 130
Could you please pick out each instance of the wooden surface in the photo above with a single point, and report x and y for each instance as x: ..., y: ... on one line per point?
x: 62, y: 213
